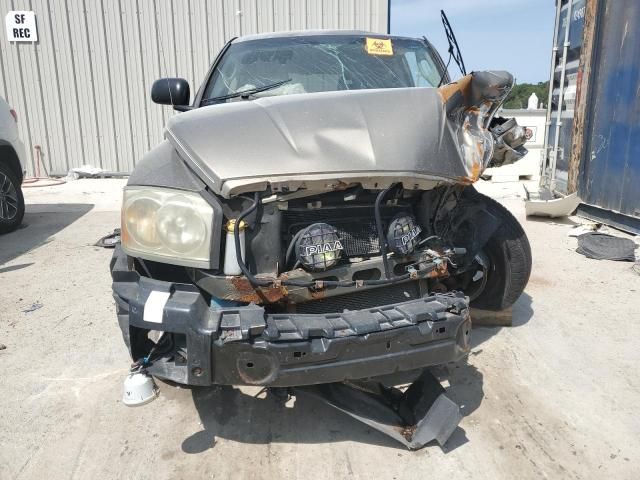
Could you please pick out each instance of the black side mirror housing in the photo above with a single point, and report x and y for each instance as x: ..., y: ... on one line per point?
x: 171, y: 91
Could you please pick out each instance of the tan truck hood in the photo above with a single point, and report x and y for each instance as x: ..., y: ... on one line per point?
x: 320, y: 141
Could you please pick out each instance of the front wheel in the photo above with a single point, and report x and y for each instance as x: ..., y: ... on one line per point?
x: 505, y: 260
x: 11, y: 200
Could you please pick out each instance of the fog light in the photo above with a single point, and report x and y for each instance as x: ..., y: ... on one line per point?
x: 139, y: 389
x: 319, y: 247
x: 403, y: 234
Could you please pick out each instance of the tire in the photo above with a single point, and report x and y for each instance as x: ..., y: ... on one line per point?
x: 11, y: 200
x: 509, y: 256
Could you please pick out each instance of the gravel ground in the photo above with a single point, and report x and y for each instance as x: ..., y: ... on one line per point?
x: 554, y: 396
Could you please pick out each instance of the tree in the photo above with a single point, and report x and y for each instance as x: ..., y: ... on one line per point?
x: 519, y: 95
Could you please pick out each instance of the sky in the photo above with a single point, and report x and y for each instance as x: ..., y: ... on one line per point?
x: 513, y: 35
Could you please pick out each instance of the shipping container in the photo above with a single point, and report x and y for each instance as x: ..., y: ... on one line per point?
x: 609, y: 177
x: 592, y: 140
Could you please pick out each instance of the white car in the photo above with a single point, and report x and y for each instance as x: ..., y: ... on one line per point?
x: 12, y: 169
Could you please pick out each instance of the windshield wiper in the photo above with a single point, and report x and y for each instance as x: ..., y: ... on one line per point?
x: 245, y: 93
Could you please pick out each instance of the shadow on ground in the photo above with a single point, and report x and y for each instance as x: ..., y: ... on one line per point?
x: 226, y: 412
x: 40, y: 223
x: 556, y: 220
x: 465, y: 380
x: 522, y: 313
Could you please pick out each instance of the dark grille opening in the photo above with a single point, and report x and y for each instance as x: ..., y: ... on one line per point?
x: 358, y: 238
x: 161, y: 271
x: 374, y: 297
x: 355, y: 225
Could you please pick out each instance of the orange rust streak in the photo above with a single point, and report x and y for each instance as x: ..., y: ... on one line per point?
x: 475, y: 171
x: 462, y: 85
x: 318, y: 294
x: 440, y: 271
x: 245, y: 292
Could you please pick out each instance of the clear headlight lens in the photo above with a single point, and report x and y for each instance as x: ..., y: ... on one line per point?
x: 476, y: 143
x: 140, y: 221
x: 179, y: 226
x: 167, y: 225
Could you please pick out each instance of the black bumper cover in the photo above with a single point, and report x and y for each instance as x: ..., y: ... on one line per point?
x: 246, y: 346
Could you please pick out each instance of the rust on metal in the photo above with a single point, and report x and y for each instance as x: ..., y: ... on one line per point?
x: 476, y: 170
x: 319, y: 290
x: 245, y: 292
x: 408, y: 432
x: 317, y: 294
x: 239, y: 288
x: 586, y: 64
x: 461, y: 86
x: 342, y: 185
x: 439, y: 271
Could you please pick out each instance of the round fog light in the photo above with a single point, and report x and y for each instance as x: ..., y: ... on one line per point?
x: 319, y: 247
x: 403, y: 234
x: 139, y: 389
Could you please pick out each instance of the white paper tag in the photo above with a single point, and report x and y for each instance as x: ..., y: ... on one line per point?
x: 154, y: 306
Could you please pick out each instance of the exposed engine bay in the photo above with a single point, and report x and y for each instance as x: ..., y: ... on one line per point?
x: 314, y: 248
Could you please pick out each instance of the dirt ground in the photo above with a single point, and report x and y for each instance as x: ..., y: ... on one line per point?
x: 554, y: 396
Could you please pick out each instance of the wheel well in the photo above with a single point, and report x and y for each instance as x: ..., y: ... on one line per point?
x: 9, y: 157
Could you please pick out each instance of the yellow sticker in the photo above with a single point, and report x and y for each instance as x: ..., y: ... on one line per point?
x: 379, y: 46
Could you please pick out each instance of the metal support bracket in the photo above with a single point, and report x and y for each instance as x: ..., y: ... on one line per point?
x: 415, y: 417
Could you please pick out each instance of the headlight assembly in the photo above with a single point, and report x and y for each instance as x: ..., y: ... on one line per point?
x: 476, y: 143
x: 167, y: 225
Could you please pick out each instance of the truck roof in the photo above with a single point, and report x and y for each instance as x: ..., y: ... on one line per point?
x: 314, y: 33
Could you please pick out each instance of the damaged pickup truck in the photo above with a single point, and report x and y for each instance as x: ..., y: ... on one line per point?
x: 310, y: 219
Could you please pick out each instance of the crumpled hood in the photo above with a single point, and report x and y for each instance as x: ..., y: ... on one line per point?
x: 319, y: 140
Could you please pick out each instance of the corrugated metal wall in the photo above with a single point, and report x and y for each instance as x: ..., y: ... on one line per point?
x: 82, y: 91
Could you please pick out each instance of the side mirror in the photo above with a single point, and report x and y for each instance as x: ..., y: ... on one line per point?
x: 171, y: 91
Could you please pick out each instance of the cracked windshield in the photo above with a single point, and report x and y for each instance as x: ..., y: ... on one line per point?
x: 321, y: 64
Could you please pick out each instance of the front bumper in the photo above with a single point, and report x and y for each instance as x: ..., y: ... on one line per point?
x: 247, y: 346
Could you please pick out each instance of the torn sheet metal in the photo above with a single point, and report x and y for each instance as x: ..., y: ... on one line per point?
x: 419, y: 136
x: 416, y: 417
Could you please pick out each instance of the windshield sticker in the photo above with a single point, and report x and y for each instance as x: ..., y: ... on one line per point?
x: 379, y: 46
